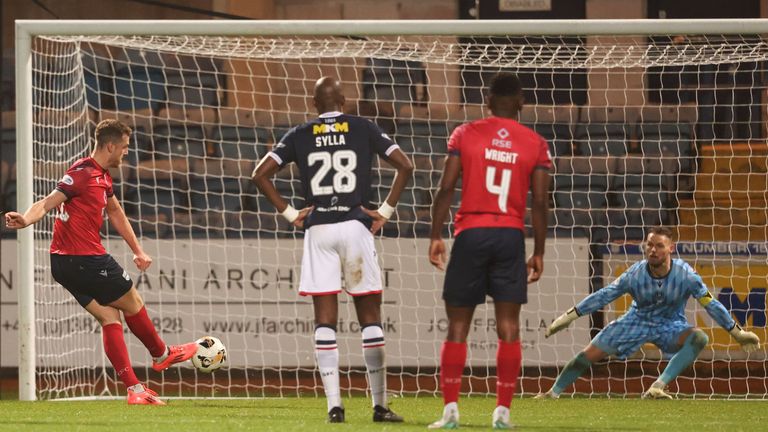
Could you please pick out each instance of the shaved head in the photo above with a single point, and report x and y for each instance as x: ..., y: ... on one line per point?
x: 328, y: 95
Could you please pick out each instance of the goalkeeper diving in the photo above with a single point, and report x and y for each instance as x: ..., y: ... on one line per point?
x: 660, y: 287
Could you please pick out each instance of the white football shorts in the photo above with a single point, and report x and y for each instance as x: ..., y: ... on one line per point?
x: 331, y: 250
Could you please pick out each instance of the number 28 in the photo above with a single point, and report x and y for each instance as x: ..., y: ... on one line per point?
x: 343, y: 162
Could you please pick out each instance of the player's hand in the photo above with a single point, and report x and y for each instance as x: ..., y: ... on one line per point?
x: 378, y: 219
x: 535, y: 268
x: 437, y: 255
x: 142, y: 261
x: 563, y: 321
x: 15, y: 220
x: 749, y: 341
x: 303, y: 213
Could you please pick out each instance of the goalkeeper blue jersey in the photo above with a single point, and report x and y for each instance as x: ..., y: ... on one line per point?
x: 334, y: 154
x: 657, y: 301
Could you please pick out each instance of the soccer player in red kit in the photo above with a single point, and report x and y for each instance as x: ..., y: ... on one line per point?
x: 80, y: 263
x: 498, y: 160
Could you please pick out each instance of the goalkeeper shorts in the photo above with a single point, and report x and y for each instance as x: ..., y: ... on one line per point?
x: 628, y: 333
x: 331, y: 250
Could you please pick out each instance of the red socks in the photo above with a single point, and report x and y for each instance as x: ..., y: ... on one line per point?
x: 452, y: 358
x: 509, y: 356
x: 117, y: 353
x: 142, y: 327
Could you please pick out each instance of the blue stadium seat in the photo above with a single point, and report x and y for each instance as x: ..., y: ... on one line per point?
x: 215, y: 193
x: 668, y: 140
x: 139, y: 87
x: 559, y: 137
x: 94, y: 88
x: 241, y: 142
x: 153, y: 198
x: 422, y: 137
x: 602, y: 139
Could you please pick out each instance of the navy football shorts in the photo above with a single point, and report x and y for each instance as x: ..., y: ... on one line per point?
x: 91, y: 277
x: 487, y: 261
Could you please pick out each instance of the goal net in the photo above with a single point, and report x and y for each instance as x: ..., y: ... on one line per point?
x: 644, y: 129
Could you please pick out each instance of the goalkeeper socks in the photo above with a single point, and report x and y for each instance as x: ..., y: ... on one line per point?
x: 373, y: 352
x: 574, y: 369
x: 327, y: 356
x: 117, y: 353
x: 452, y: 358
x: 142, y: 327
x: 694, y: 343
x: 508, y: 358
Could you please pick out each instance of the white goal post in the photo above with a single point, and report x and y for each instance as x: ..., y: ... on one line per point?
x: 609, y: 66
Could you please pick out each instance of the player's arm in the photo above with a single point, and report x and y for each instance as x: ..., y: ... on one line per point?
x: 440, y: 208
x: 262, y: 178
x: 539, y: 210
x: 14, y: 220
x: 123, y: 227
x: 592, y: 303
x: 398, y: 160
x: 748, y: 340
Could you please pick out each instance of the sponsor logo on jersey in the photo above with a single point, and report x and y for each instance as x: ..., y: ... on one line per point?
x: 103, y: 273
x: 502, y: 141
x: 342, y: 127
x: 385, y: 136
x: 67, y: 180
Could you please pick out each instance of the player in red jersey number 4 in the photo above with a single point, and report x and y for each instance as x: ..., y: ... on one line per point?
x: 80, y: 263
x: 498, y: 160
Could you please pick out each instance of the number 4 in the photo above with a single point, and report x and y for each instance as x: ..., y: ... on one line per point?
x: 501, y: 189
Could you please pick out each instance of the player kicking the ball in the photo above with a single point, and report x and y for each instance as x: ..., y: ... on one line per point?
x: 660, y: 287
x: 80, y: 263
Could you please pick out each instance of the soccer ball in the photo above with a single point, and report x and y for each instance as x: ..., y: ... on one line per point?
x: 211, y: 354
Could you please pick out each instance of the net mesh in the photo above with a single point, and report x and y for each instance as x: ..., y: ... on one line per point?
x: 643, y: 131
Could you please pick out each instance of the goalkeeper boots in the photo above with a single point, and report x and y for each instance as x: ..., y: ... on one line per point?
x: 175, y: 354
x: 547, y: 395
x: 501, y: 418
x: 144, y: 397
x: 450, y: 419
x: 385, y: 415
x: 656, y: 393
x: 336, y: 415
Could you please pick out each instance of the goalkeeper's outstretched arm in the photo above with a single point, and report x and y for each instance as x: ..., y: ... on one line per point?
x: 749, y: 341
x: 593, y: 302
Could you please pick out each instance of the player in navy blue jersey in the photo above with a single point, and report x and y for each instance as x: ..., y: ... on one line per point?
x: 660, y: 287
x: 334, y: 154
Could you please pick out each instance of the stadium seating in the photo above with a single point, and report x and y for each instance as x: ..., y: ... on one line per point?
x: 553, y: 122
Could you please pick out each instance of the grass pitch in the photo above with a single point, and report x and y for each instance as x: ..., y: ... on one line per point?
x: 308, y: 414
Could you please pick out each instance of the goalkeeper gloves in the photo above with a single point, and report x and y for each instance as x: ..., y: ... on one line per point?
x: 562, y: 322
x: 749, y: 341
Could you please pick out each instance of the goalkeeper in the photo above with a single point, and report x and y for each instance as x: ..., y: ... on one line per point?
x: 660, y: 287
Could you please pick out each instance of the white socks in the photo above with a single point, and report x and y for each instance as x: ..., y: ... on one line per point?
x: 327, y: 356
x: 138, y: 388
x: 373, y: 352
x: 165, y: 355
